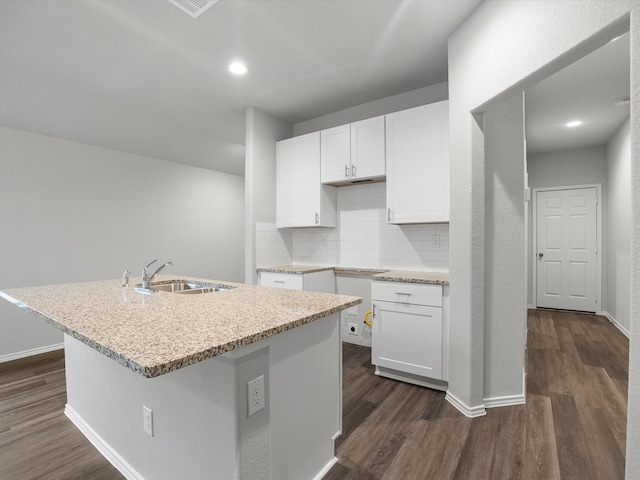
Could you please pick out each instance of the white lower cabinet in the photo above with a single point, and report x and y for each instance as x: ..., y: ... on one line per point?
x: 322, y: 281
x: 408, y: 334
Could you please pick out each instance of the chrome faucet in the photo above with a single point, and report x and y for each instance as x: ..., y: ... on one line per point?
x: 146, y: 278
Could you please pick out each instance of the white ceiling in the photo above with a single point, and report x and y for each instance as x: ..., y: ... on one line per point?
x: 144, y: 77
x: 586, y: 91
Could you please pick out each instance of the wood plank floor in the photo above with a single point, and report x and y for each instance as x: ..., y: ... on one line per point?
x: 572, y: 427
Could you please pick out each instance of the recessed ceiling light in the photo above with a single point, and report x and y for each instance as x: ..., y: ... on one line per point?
x: 237, y: 68
x: 574, y: 123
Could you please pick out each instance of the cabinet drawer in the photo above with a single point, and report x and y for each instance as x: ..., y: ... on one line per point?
x: 413, y: 293
x: 281, y: 280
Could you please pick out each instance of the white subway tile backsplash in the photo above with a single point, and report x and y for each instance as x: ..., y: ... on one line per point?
x: 364, y: 239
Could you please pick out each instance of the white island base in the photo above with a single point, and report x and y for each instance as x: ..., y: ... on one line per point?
x: 201, y: 429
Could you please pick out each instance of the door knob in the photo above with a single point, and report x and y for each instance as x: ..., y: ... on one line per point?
x: 541, y: 255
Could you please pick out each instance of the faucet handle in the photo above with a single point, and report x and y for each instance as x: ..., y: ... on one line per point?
x: 125, y: 278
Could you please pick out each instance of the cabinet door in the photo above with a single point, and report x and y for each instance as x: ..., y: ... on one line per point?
x: 368, y: 149
x: 335, y: 156
x: 407, y: 338
x: 418, y: 164
x: 301, y: 200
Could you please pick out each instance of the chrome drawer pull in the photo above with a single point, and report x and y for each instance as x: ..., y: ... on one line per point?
x: 278, y: 281
x: 402, y: 293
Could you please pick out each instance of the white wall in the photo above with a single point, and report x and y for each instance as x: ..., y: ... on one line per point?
x: 394, y: 103
x: 618, y: 274
x: 580, y: 166
x: 73, y: 212
x: 262, y: 133
x: 502, y: 49
x: 505, y: 315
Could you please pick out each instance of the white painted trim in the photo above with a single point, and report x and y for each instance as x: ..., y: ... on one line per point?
x: 599, y: 222
x: 471, y: 412
x: 103, y: 447
x: 505, y: 401
x: 29, y: 353
x: 619, y: 326
x: 326, y: 469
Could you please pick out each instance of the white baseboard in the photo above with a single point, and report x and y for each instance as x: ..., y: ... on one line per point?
x: 471, y: 412
x: 326, y: 469
x: 624, y: 331
x: 103, y: 447
x: 505, y: 401
x: 28, y: 353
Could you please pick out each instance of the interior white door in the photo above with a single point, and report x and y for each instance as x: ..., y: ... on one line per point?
x: 567, y: 249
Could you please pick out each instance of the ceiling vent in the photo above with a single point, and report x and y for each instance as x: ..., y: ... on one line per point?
x: 193, y: 7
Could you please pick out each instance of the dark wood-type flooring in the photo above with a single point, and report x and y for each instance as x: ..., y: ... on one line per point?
x: 572, y: 427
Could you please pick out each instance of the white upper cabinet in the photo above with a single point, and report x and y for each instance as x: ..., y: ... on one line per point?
x: 301, y: 199
x: 335, y: 156
x: 417, y: 146
x: 353, y: 152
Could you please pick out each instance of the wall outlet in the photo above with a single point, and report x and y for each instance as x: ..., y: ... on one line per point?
x: 147, y: 420
x: 436, y: 241
x: 324, y: 241
x: 352, y: 328
x: 255, y: 395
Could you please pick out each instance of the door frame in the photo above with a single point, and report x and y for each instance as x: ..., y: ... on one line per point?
x: 599, y: 254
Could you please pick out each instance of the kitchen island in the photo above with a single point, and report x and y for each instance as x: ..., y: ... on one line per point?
x: 188, y: 359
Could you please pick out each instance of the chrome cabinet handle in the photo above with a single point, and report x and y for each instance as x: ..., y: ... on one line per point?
x: 278, y: 281
x: 353, y: 171
x: 317, y: 218
x: 403, y: 293
x: 540, y: 255
x: 388, y: 214
x: 346, y: 171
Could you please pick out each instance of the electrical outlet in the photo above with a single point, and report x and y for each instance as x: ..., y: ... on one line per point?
x: 324, y: 241
x: 255, y: 395
x: 147, y: 419
x: 436, y: 241
x: 352, y: 328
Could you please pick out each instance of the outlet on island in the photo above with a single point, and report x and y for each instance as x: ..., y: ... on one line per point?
x: 255, y: 395
x: 147, y: 419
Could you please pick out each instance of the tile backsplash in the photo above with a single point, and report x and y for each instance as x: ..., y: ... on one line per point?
x: 362, y: 238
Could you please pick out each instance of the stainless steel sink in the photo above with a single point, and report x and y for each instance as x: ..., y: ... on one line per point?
x: 184, y: 286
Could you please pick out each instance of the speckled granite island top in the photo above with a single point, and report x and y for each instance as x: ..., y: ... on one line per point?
x: 158, y: 333
x: 433, y: 278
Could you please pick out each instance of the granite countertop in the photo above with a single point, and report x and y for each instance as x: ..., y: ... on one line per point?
x: 407, y: 276
x: 294, y: 269
x: 158, y: 333
x: 433, y: 278
x: 365, y: 272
